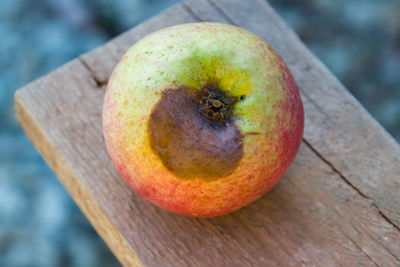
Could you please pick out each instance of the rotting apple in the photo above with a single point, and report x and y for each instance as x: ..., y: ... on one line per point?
x: 202, y: 118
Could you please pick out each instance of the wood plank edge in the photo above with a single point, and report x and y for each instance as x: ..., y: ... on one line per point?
x: 88, y: 205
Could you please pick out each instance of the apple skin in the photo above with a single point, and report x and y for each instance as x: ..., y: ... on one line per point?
x: 270, y: 118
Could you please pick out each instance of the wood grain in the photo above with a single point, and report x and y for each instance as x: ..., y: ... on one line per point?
x: 336, y: 206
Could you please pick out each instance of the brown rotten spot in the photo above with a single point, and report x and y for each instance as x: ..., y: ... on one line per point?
x: 194, y: 134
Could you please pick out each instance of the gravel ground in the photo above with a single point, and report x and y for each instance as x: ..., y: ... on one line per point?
x: 359, y: 40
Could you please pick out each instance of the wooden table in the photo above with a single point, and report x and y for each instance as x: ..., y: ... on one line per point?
x: 338, y: 205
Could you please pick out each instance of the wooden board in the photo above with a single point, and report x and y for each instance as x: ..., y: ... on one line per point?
x: 338, y: 204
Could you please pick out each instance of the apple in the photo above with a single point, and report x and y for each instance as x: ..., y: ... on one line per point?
x: 202, y: 118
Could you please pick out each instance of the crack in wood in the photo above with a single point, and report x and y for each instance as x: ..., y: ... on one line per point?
x: 386, y: 217
x: 222, y: 12
x: 380, y: 243
x: 344, y: 178
x: 191, y: 12
x: 100, y: 83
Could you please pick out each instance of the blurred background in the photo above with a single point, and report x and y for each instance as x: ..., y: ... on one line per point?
x: 359, y: 40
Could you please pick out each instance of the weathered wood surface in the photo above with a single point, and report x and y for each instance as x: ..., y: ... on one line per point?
x: 338, y: 205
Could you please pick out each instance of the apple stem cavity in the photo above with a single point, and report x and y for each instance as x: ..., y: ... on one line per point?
x: 216, y: 105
